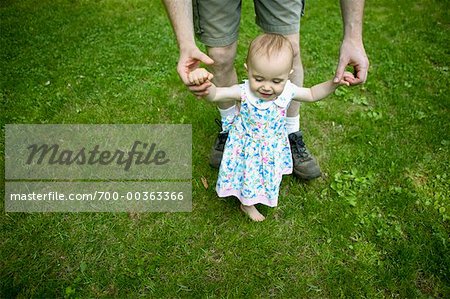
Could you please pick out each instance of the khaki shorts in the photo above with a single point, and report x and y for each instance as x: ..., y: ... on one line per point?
x: 216, y: 22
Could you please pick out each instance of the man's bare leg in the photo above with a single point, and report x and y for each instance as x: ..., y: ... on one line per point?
x: 305, y: 164
x: 224, y: 76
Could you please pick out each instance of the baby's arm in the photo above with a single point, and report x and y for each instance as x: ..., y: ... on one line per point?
x: 215, y: 94
x: 224, y: 94
x: 319, y: 91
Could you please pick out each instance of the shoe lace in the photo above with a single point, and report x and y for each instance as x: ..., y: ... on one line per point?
x: 222, y: 137
x: 219, y: 123
x: 299, y: 147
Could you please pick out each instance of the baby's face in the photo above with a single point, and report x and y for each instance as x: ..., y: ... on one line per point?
x: 268, y: 76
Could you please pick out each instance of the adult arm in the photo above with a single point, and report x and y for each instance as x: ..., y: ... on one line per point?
x: 352, y: 50
x: 180, y: 15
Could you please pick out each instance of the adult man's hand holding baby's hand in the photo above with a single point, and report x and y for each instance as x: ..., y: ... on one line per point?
x: 199, y: 76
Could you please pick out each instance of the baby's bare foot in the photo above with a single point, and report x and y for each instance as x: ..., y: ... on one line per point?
x: 253, y: 213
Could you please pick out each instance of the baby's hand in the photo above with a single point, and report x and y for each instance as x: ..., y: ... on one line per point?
x: 345, y: 79
x: 199, y: 76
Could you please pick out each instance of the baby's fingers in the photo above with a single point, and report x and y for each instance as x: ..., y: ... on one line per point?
x: 347, y: 79
x: 204, y: 76
x: 199, y: 76
x: 193, y: 79
x: 197, y: 81
x: 201, y: 79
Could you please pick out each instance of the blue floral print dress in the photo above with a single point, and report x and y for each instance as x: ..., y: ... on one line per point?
x: 257, y: 151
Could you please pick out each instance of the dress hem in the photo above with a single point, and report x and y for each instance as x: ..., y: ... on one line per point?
x: 256, y: 200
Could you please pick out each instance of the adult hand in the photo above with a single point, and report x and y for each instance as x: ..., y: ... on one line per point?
x: 190, y: 60
x: 352, y: 53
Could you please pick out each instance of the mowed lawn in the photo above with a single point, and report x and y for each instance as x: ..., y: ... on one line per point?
x: 375, y: 225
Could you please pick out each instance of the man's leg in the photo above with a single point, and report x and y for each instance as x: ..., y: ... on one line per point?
x: 224, y: 75
x: 305, y: 164
x: 283, y: 17
x: 217, y: 27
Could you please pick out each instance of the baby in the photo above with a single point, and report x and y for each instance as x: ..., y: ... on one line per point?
x: 257, y: 152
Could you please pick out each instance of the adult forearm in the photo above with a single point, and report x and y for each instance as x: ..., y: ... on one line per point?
x: 352, y: 16
x: 180, y: 15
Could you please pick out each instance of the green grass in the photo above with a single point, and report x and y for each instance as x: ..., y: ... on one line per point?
x: 376, y: 225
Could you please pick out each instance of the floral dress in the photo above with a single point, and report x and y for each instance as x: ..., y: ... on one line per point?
x: 257, y: 151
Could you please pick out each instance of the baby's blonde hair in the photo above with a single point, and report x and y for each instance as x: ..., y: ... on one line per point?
x: 269, y: 44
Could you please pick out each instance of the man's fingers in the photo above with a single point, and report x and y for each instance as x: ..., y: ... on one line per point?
x: 205, y: 59
x: 361, y: 74
x: 199, y: 88
x: 200, y: 95
x: 339, y: 72
x: 358, y: 77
